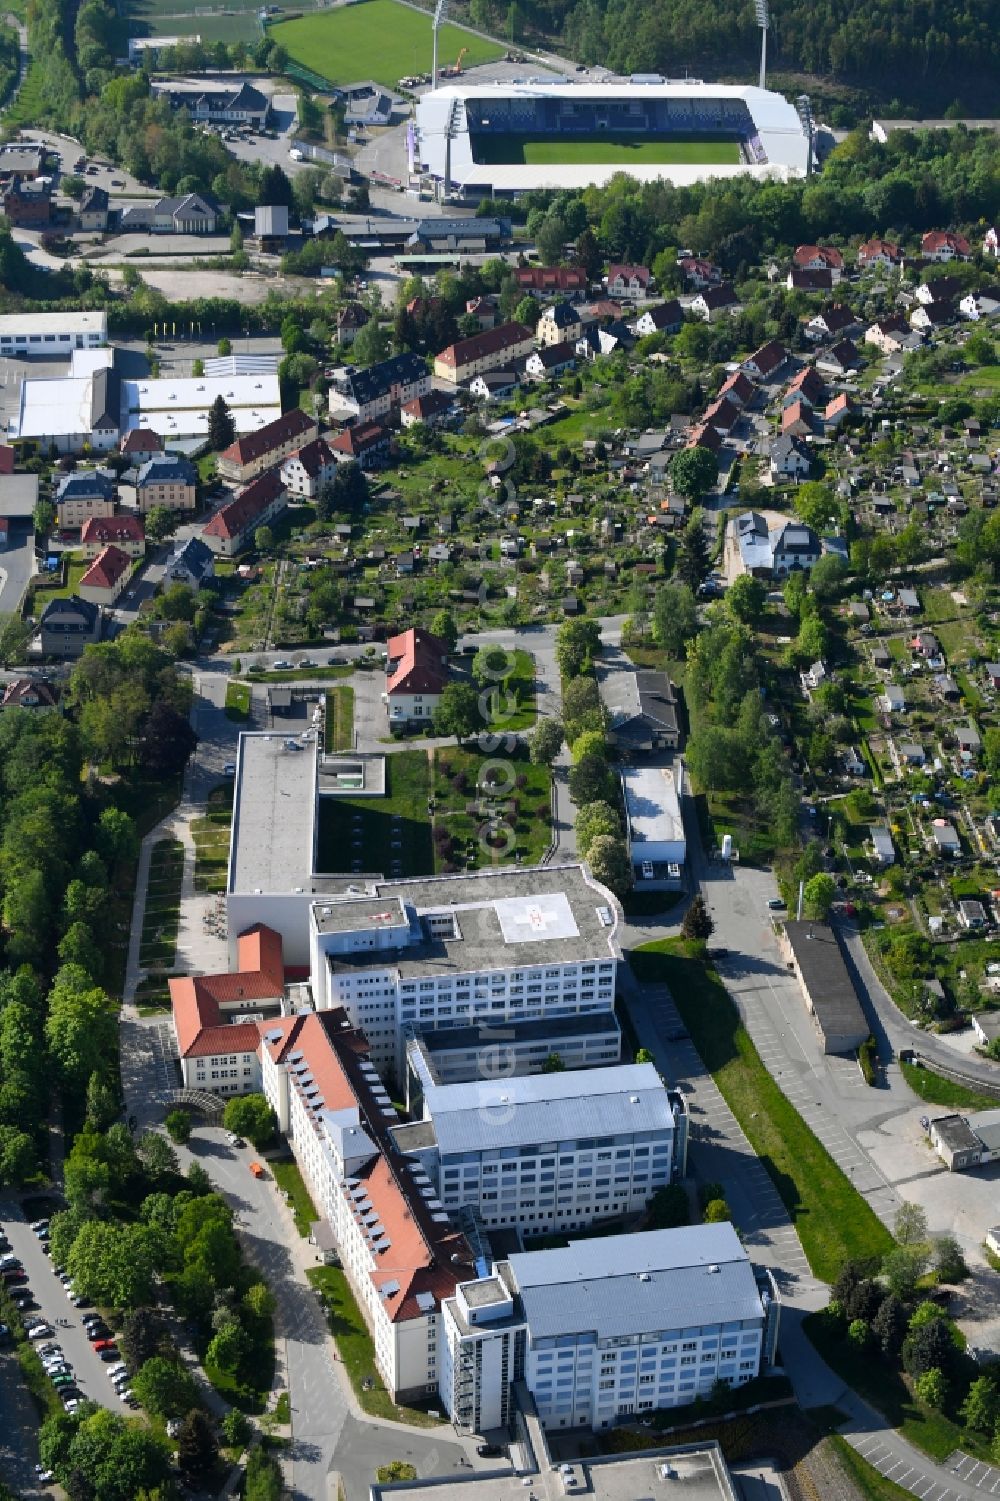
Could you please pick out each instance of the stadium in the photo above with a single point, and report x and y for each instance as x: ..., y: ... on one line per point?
x: 504, y: 139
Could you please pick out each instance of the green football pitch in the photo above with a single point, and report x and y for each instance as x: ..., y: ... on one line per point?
x: 548, y: 151
x: 376, y: 39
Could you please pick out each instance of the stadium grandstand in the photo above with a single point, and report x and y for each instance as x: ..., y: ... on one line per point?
x: 505, y: 139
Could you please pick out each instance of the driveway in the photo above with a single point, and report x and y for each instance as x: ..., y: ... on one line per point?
x: 17, y: 565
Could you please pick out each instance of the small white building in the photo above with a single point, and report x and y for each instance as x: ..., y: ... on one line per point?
x: 51, y: 336
x: 653, y: 814
x: 882, y: 846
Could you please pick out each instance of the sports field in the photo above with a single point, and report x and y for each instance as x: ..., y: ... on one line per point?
x: 548, y: 151
x: 376, y: 39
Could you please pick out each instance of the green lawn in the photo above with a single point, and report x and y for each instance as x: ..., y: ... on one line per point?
x: 238, y: 701
x: 76, y: 567
x: 547, y: 151
x: 478, y: 828
x: 340, y: 718
x: 373, y: 834
x: 290, y: 1181
x: 877, y: 1383
x: 211, y: 836
x: 833, y: 1221
x: 512, y: 695
x: 356, y: 1349
x: 937, y: 1090
x: 376, y: 39
x: 866, y: 1479
x: 161, y: 916
x: 299, y: 675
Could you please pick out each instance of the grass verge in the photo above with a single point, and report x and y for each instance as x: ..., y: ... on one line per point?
x: 162, y: 912
x: 886, y: 1391
x: 340, y: 718
x: 211, y: 836
x: 290, y: 1181
x: 937, y: 1090
x: 864, y: 1477
x: 238, y: 701
x: 833, y: 1221
x: 356, y: 1348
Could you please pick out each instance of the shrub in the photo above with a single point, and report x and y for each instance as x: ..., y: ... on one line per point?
x: 867, y: 1055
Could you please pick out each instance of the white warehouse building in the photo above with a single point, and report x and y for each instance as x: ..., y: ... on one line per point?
x: 655, y: 824
x: 604, y: 1329
x: 549, y: 1152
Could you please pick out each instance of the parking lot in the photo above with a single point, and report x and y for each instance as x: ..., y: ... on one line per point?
x: 90, y: 1373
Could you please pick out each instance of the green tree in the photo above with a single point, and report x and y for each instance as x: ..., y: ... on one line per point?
x: 582, y: 707
x: 142, y: 1336
x: 593, y: 820
x: 590, y: 781
x: 178, y: 1126
x: 18, y: 1157
x: 610, y: 864
x: 902, y: 1268
x: 889, y: 1326
x: 553, y: 1064
x: 527, y: 312
x: 820, y: 892
x: 949, y: 1262
x: 981, y: 1409
x: 545, y: 742
x: 910, y: 1224
x: 931, y: 1387
x: 221, y: 427
x: 816, y: 504
x: 828, y: 576
x: 697, y: 925
x: 197, y: 1447
x: 371, y: 344
x: 113, y: 1263
x: 717, y: 1212
x: 590, y: 743
x: 746, y: 598
x: 251, y: 1116
x: 81, y: 1027
x: 577, y: 644
x: 669, y: 1208
x: 675, y: 617
x: 165, y: 1388
x: 263, y: 1480
x: 263, y: 539
x: 443, y: 625
x: 693, y: 562
x: 859, y: 1333
x: 458, y: 712
x: 643, y: 1055
x: 160, y: 522
x: 693, y: 472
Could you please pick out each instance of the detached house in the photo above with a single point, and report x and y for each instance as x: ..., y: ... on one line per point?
x: 892, y: 335
x: 884, y: 253
x: 191, y: 563
x: 141, y: 444
x: 106, y: 577
x: 832, y: 323
x: 664, y: 318
x: 789, y: 459
x: 942, y: 245
x: 768, y: 544
x: 819, y: 258
x: 549, y: 279
x: 167, y: 481
x: 713, y: 303
x: 840, y: 360
x: 699, y: 272
x: 628, y: 281
x: 559, y: 324
x: 82, y: 494
x: 800, y: 280
x: 367, y: 444
x: 309, y: 468
x: 416, y: 675
x: 765, y: 362
x: 550, y: 361
x: 93, y: 213
x: 68, y: 625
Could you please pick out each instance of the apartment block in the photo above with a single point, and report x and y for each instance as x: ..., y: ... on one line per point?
x: 605, y: 1329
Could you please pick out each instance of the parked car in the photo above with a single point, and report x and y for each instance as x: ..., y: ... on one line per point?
x: 43, y: 1476
x: 489, y: 1451
x: 40, y: 1331
x: 38, y: 1225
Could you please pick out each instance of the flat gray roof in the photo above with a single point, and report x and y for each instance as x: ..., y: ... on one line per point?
x: 18, y: 495
x: 516, y: 1033
x: 488, y: 1114
x: 652, y: 805
x: 637, y: 1284
x: 826, y: 978
x: 273, y: 814
x: 508, y: 917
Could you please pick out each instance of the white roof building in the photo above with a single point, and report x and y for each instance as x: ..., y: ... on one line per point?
x: 775, y: 144
x: 177, y: 409
x: 52, y: 335
x: 653, y: 811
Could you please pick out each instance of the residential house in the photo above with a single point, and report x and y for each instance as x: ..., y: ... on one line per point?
x: 257, y: 504
x: 986, y: 1025
x: 940, y: 289
x: 800, y: 279
x: 549, y: 279
x: 82, y: 494
x: 192, y: 562
x: 483, y: 309
x: 806, y: 386
x: 309, y: 468
x: 699, y: 272
x: 642, y: 708
x: 819, y: 258
x: 376, y: 394
x: 854, y: 763
x: 93, y: 211
x: 945, y: 685
x: 26, y: 204
x: 769, y: 544
x: 494, y: 385
x: 429, y: 410
x: 834, y: 322
x: 664, y: 318
x: 168, y: 481
x: 628, y: 282
x: 351, y: 319
x: 969, y: 740
x: 972, y: 914
x: 68, y: 625
x: 909, y: 753
x: 722, y: 414
x: 766, y: 362
x: 106, y: 577
x: 30, y: 693
x: 925, y: 644
x: 929, y: 319
x: 840, y: 360
x: 991, y: 242
x: 837, y: 410
x: 892, y: 335
x: 123, y: 529
x: 141, y: 444
x: 558, y: 324
x: 715, y: 303
x: 943, y: 245
x: 982, y: 304
x: 789, y: 459
x: 882, y: 253
x: 416, y: 675
x: 255, y: 452
x: 883, y: 850
x: 992, y: 671
x: 739, y: 388
x: 795, y: 419
x: 551, y: 360
x: 893, y: 698
x: 945, y: 836
x: 492, y: 349
x: 366, y: 443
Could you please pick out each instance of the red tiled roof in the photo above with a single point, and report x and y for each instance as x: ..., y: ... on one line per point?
x: 828, y: 254
x: 241, y: 1037
x: 123, y: 527
x: 936, y: 239
x: 20, y: 688
x: 106, y: 569
x: 415, y: 663
x: 551, y: 278
x: 313, y: 456
x: 274, y: 435
x: 794, y: 413
x: 806, y: 383
x: 427, y: 406
x: 872, y: 248
x: 841, y: 403
x: 197, y: 1001
x: 769, y: 357
x: 739, y: 386
x: 490, y: 341
x: 359, y: 438
x: 142, y: 440
x: 234, y: 519
x: 629, y: 273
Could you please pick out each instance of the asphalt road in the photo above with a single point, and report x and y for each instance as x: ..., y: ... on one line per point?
x: 17, y: 564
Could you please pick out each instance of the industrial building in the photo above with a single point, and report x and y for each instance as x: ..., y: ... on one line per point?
x: 963, y: 1141
x: 814, y: 956
x: 606, y: 1329
x: 177, y: 408
x: 51, y: 336
x: 550, y: 1152
x: 655, y: 825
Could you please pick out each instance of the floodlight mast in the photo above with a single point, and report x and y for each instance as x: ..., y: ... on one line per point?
x: 440, y: 11
x: 763, y: 21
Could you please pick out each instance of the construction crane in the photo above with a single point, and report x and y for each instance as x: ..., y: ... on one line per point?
x: 455, y: 71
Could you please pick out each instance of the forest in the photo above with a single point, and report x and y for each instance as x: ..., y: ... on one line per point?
x: 921, y: 57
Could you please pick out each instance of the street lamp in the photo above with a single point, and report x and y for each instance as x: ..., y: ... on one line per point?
x: 763, y: 21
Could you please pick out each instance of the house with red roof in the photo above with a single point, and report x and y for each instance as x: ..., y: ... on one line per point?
x: 309, y: 468
x: 233, y: 525
x: 367, y: 443
x: 885, y: 253
x: 766, y: 361
x: 106, y: 577
x: 795, y: 419
x: 215, y: 1017
x: 251, y: 454
x: 819, y: 258
x: 943, y: 245
x: 30, y: 693
x: 739, y: 388
x: 416, y: 674
x: 629, y: 281
x: 141, y: 444
x: 124, y: 531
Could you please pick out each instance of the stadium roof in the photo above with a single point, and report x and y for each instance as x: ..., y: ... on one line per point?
x: 776, y: 121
